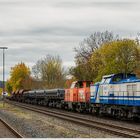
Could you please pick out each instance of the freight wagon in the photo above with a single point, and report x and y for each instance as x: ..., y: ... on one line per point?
x: 51, y: 97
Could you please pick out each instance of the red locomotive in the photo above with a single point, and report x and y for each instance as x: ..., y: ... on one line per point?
x: 78, y: 96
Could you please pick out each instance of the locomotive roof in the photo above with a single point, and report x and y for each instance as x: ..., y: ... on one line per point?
x: 120, y: 78
x: 108, y: 76
x: 125, y: 75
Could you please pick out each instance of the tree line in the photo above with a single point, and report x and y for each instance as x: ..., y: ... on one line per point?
x: 105, y: 53
x: 100, y: 54
x: 46, y: 73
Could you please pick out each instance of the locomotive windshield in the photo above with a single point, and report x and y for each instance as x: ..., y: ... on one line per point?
x: 73, y: 85
x: 117, y: 78
x: 130, y: 76
x: 88, y: 84
x: 106, y: 80
x: 80, y: 84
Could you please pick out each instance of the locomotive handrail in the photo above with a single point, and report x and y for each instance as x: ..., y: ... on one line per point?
x: 125, y: 93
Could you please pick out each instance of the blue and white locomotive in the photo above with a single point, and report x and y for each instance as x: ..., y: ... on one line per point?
x: 117, y: 95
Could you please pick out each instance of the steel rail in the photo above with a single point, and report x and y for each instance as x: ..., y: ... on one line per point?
x: 18, y: 135
x: 67, y: 114
x: 115, y: 129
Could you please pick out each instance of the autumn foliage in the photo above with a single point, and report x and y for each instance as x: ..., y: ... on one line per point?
x: 102, y: 54
x: 50, y: 71
x: 19, y: 78
x: 122, y: 56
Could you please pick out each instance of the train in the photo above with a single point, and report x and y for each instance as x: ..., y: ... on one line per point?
x: 116, y: 95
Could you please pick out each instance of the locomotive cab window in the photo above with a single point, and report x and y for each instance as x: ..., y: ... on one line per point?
x: 103, y: 80
x: 73, y: 85
x: 77, y: 85
x: 117, y: 78
x: 80, y: 84
x: 131, y: 76
x: 106, y: 80
x: 88, y: 84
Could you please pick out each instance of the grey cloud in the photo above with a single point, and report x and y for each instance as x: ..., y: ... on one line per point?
x: 31, y: 53
x: 33, y: 28
x: 98, y: 3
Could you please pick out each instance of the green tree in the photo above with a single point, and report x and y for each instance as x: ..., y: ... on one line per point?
x: 137, y: 69
x: 9, y: 86
x: 84, y: 69
x: 1, y: 90
x: 122, y: 56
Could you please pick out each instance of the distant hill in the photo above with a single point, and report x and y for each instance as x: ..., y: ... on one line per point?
x: 1, y: 84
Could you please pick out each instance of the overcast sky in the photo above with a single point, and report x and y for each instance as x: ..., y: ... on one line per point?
x: 33, y: 28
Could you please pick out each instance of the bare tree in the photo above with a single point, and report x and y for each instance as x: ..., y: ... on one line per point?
x: 91, y: 44
x: 51, y: 71
x: 87, y: 47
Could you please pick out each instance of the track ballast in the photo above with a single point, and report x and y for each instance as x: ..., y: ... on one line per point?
x: 110, y: 128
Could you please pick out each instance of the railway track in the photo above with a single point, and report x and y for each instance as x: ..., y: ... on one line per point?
x: 111, y: 128
x: 9, y: 131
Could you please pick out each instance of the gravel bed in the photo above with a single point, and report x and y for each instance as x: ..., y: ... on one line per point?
x: 130, y: 124
x: 36, y: 125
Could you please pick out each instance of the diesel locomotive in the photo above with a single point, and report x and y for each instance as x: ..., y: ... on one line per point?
x: 116, y: 95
